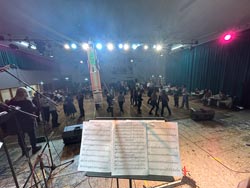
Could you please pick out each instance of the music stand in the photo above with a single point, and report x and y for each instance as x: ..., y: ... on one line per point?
x: 130, y: 178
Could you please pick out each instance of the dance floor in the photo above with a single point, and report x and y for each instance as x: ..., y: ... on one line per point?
x: 214, y: 153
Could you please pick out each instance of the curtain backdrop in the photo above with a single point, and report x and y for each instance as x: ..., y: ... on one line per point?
x: 215, y: 66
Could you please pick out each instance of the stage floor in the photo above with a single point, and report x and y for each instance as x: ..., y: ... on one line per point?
x: 214, y: 153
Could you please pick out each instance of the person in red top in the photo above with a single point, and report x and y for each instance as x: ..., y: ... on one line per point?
x: 26, y: 122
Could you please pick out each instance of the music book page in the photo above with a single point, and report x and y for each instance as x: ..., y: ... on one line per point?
x: 129, y: 155
x: 96, y: 147
x: 163, y: 149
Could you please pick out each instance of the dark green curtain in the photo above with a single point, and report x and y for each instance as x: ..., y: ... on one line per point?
x: 25, y: 61
x: 216, y: 66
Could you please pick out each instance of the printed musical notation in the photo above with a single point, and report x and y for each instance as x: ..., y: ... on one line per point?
x: 96, y: 147
x: 129, y: 154
x: 163, y: 149
x: 130, y: 147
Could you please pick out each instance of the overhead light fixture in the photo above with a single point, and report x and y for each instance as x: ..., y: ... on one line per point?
x: 134, y: 46
x: 85, y: 46
x: 66, y: 46
x: 120, y: 46
x: 33, y: 47
x: 24, y: 43
x: 126, y: 47
x: 81, y: 61
x: 177, y: 46
x: 158, y: 47
x: 73, y: 46
x: 99, y: 46
x: 145, y: 47
x: 110, y: 46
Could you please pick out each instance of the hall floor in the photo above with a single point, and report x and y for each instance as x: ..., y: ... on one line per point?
x: 214, y: 153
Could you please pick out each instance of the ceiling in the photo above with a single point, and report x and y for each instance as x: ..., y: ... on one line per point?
x: 167, y: 21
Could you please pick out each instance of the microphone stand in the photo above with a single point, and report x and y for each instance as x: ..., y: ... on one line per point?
x: 52, y: 166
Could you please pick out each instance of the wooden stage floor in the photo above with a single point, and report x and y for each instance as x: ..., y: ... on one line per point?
x: 215, y: 153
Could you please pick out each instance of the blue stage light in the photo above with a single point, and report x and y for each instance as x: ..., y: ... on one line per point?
x: 120, y: 46
x: 99, y: 46
x: 73, y: 46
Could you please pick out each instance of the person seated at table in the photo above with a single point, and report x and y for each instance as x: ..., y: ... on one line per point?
x: 206, y: 99
x: 218, y: 97
x: 197, y: 91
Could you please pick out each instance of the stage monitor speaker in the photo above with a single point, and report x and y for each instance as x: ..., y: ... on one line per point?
x: 72, y: 134
x: 201, y: 115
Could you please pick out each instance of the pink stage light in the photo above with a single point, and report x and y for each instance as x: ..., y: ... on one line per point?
x: 227, y: 37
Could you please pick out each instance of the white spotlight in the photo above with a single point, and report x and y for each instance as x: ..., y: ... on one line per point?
x: 73, y: 46
x: 85, y: 46
x: 158, y: 47
x: 81, y: 61
x: 99, y: 46
x: 110, y: 46
x: 126, y: 47
x: 33, y: 47
x: 66, y: 46
x: 24, y: 43
x: 145, y: 47
x: 120, y: 46
x: 134, y: 46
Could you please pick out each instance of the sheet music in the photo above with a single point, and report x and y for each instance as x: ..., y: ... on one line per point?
x: 96, y: 147
x: 1, y: 143
x: 129, y: 155
x: 163, y: 149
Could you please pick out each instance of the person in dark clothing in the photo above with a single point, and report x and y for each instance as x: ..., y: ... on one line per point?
x: 185, y: 100
x: 80, y: 99
x: 164, y: 102
x: 139, y: 102
x: 121, y: 100
x: 132, y: 96
x: 110, y: 104
x: 26, y: 122
x: 154, y: 103
x: 53, y: 112
x: 177, y: 93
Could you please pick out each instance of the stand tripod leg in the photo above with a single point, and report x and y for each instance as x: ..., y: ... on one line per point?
x: 117, y: 182
x: 10, y: 163
x: 130, y: 183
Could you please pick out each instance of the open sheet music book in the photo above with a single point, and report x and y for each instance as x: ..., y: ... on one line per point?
x: 130, y: 147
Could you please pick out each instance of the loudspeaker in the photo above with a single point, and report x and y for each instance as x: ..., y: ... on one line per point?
x: 72, y: 134
x: 201, y: 115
